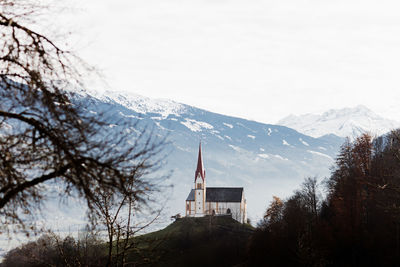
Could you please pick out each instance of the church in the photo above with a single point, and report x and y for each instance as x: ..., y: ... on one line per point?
x: 214, y: 201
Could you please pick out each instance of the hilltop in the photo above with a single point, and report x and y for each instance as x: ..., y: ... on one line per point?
x: 204, y: 241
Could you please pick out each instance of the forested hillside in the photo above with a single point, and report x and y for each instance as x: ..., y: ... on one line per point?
x: 357, y: 224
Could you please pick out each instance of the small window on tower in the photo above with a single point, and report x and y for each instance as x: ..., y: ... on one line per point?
x: 199, y: 193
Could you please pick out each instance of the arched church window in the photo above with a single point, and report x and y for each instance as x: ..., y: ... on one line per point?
x: 213, y: 212
x: 228, y: 211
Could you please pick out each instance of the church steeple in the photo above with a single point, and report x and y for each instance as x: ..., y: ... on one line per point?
x: 200, y: 187
x: 200, y: 168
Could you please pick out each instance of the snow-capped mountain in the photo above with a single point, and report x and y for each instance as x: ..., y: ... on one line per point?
x: 346, y: 122
x: 141, y: 104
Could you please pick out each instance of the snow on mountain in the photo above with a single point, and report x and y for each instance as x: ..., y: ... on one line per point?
x: 141, y: 104
x: 346, y: 122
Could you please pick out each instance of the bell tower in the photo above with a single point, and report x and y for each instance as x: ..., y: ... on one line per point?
x: 200, y: 186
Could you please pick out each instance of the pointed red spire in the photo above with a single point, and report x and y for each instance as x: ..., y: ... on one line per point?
x: 200, y: 168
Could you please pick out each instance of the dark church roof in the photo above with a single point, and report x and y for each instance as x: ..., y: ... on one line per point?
x: 220, y: 194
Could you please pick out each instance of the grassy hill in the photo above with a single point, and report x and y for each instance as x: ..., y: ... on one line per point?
x: 205, y: 241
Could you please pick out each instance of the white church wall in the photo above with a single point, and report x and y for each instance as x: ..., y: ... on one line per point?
x: 235, y: 210
x: 222, y: 208
x: 191, y: 210
x: 244, y: 210
x: 212, y: 206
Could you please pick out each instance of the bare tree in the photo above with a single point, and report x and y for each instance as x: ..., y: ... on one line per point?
x: 118, y: 214
x: 46, y: 134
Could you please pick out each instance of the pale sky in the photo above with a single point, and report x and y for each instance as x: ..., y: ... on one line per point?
x: 255, y: 59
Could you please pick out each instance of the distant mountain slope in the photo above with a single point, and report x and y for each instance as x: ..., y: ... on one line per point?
x: 347, y: 122
x: 265, y: 159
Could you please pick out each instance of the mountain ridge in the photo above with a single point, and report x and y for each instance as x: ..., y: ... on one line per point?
x: 345, y: 122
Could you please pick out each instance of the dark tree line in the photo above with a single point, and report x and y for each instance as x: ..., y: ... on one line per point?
x: 356, y: 224
x: 52, y: 250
